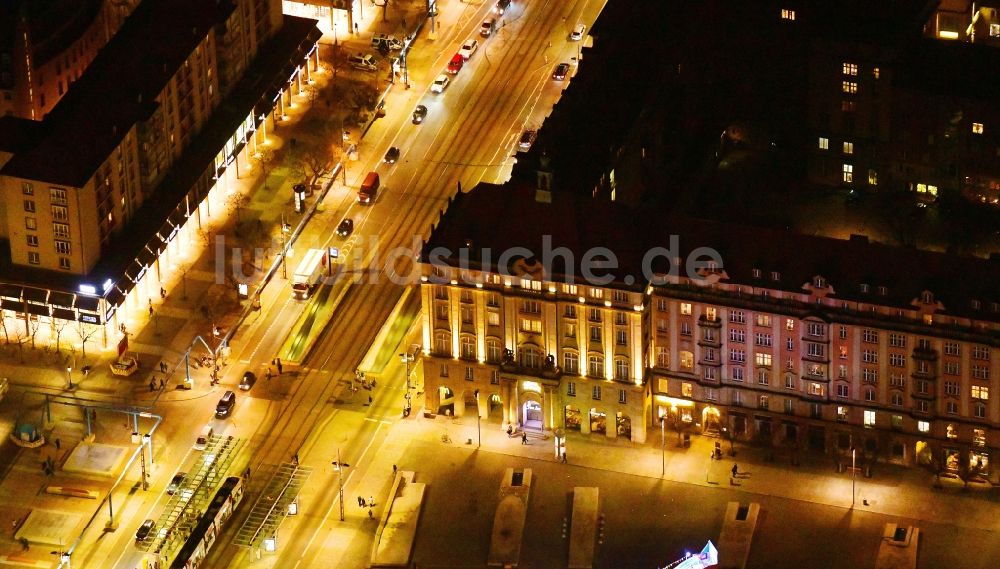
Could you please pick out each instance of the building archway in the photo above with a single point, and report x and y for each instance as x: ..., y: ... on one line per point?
x: 532, y: 416
x: 623, y: 425
x: 446, y: 401
x: 494, y: 404
x: 573, y: 418
x: 710, y: 420
x: 598, y: 421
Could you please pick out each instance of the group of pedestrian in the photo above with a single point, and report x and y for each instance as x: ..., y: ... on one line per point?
x: 276, y: 362
x: 163, y: 367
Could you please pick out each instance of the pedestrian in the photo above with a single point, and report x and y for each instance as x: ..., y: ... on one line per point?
x: 150, y: 310
x: 295, y: 459
x: 152, y: 384
x: 267, y: 374
x: 278, y: 364
x: 393, y: 466
x: 371, y: 501
x: 510, y: 430
x: 361, y: 502
x: 370, y: 400
x: 736, y: 471
x: 162, y: 384
x: 564, y: 457
x: 25, y: 546
x: 58, y: 444
x: 355, y: 27
x: 370, y: 514
x: 524, y: 438
x: 163, y: 292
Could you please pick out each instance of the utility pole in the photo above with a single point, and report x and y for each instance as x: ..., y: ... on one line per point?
x: 663, y: 446
x: 479, y: 418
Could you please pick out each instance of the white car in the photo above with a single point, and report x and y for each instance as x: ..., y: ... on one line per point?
x: 440, y: 84
x: 468, y: 48
x: 577, y: 33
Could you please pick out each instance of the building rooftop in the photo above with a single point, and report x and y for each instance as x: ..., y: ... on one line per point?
x: 503, y: 217
x: 117, y: 90
x: 273, y: 65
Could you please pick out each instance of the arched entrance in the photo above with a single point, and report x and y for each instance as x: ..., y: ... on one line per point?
x: 446, y: 398
x: 573, y: 418
x: 532, y: 413
x: 495, y: 404
x: 598, y: 421
x: 623, y: 424
x: 710, y: 421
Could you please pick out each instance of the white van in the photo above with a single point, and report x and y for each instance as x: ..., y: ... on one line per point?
x: 202, y: 441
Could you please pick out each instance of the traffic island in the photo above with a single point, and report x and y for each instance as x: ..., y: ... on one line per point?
x: 508, y: 522
x: 398, y: 526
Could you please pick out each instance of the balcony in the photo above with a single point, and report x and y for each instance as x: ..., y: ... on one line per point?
x: 709, y: 323
x: 924, y: 396
x: 820, y: 359
x: 545, y: 370
x: 709, y: 342
x: 925, y: 354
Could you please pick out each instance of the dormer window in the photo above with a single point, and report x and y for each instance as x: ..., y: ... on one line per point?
x: 819, y: 282
x: 756, y: 273
x: 995, y: 307
x: 865, y: 289
x: 882, y: 291
x: 976, y: 305
x: 927, y: 297
x: 775, y: 276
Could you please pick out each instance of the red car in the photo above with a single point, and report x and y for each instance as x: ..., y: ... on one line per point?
x: 455, y: 65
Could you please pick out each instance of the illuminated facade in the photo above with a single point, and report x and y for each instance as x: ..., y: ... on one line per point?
x: 98, y: 194
x: 542, y: 354
x: 804, y: 343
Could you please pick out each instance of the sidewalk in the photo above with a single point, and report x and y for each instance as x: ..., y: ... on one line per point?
x: 894, y: 491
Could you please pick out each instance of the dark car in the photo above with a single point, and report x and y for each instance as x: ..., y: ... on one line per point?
x: 225, y: 405
x: 527, y: 138
x: 419, y: 114
x: 392, y: 155
x: 345, y: 228
x: 561, y: 70
x: 175, y: 482
x: 249, y: 378
x: 144, y: 530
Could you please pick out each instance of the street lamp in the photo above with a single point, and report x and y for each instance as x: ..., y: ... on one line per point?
x: 285, y: 229
x: 69, y: 376
x: 339, y: 466
x: 854, y: 473
x: 663, y: 441
x: 407, y: 358
x: 479, y: 417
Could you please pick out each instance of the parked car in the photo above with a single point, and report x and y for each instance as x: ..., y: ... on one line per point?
x: 249, y: 378
x: 487, y: 27
x: 577, y: 33
x: 440, y: 84
x: 363, y: 62
x: 468, y: 48
x: 419, y: 114
x: 346, y: 227
x: 560, y: 72
x: 391, y: 155
x: 176, y: 482
x: 390, y: 42
x: 527, y: 138
x: 144, y: 530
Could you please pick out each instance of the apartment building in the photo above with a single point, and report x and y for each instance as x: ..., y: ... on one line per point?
x: 806, y: 343
x: 46, y: 46
x: 95, y: 193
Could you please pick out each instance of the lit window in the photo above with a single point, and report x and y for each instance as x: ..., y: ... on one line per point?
x: 977, y: 128
x: 994, y: 30
x: 850, y: 68
x: 923, y: 426
x: 685, y: 308
x: 848, y: 173
x: 824, y: 143
x: 687, y: 390
x: 872, y: 177
x: 848, y: 148
x: 869, y: 418
x: 787, y: 14
x: 980, y: 392
x: 849, y: 87
x: 875, y: 72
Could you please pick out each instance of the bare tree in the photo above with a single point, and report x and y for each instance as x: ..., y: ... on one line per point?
x: 21, y: 337
x: 59, y: 325
x: 265, y: 159
x: 85, y: 332
x: 33, y: 326
x: 238, y: 201
x: 3, y: 324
